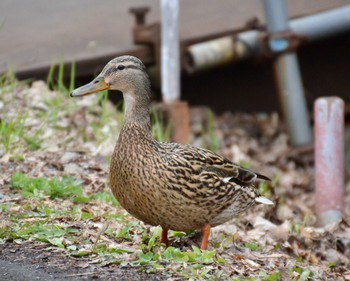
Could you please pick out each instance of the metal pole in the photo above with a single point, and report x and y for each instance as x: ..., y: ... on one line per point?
x: 288, y: 75
x: 323, y: 25
x: 170, y: 45
x: 178, y: 112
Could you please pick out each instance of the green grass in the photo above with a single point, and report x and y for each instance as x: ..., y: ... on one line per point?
x: 60, y: 101
x: 11, y: 126
x: 55, y: 79
x: 11, y: 131
x: 276, y: 276
x: 54, y: 188
x: 207, y: 131
x: 161, y: 130
x: 14, y: 134
x: 65, y: 187
x: 214, y: 142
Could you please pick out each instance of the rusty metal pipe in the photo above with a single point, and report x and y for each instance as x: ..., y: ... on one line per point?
x: 213, y: 53
x: 329, y: 159
x: 310, y: 28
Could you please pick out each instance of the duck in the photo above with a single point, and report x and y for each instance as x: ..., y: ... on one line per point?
x: 176, y: 186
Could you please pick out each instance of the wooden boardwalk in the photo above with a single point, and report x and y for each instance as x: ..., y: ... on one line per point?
x: 34, y: 33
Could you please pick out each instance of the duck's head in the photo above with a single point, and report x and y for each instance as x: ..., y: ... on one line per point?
x: 126, y: 74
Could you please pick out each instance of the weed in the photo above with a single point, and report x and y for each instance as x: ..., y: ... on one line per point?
x: 11, y: 131
x: 58, y: 102
x: 294, y: 227
x: 303, y: 274
x: 58, y: 82
x: 214, y: 142
x: 156, y: 233
x: 34, y: 142
x: 160, y: 131
x: 125, y: 232
x: 276, y: 276
x: 251, y: 246
x: 331, y: 264
x: 8, y: 82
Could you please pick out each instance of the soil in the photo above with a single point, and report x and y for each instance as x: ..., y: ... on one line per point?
x: 28, y: 262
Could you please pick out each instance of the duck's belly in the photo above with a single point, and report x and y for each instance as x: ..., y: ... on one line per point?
x: 171, y: 210
x: 166, y: 208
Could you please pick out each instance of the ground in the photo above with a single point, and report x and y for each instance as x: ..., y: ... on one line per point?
x: 59, y: 220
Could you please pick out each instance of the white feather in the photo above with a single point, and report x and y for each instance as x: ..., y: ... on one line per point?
x: 227, y: 179
x: 264, y: 200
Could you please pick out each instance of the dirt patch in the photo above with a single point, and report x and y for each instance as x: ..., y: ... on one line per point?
x: 28, y: 262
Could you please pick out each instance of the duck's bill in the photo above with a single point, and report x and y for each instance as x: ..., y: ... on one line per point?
x: 96, y: 85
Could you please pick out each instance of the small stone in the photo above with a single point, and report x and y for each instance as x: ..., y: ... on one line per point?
x: 72, y: 168
x: 69, y: 157
x: 264, y: 224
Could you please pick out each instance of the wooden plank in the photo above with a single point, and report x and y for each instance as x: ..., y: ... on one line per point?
x: 34, y: 33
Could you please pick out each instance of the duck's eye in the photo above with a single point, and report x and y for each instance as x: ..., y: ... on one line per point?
x: 120, y: 67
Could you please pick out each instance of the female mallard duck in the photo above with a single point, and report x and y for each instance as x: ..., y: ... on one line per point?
x: 176, y: 186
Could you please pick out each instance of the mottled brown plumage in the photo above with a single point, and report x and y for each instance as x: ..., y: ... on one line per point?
x: 176, y: 186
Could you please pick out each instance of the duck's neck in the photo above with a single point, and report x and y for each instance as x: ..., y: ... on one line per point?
x: 136, y: 109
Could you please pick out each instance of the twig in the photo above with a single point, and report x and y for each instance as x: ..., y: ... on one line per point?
x: 80, y: 274
x: 10, y: 200
x: 102, y: 230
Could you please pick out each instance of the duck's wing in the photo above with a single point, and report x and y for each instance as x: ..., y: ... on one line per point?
x: 206, y: 160
x: 214, y: 173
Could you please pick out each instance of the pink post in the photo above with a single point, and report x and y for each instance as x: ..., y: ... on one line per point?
x: 329, y: 159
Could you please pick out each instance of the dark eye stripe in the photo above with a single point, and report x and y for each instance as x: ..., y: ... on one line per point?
x: 133, y: 67
x: 110, y: 70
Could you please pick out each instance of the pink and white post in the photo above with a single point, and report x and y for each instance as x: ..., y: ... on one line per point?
x: 329, y: 159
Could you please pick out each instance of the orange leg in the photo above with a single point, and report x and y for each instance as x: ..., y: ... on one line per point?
x: 164, y: 237
x: 205, y: 236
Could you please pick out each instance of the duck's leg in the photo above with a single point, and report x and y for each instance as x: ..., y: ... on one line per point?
x: 164, y: 237
x: 205, y: 236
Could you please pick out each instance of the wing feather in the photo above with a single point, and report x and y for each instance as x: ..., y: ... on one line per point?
x: 206, y: 160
